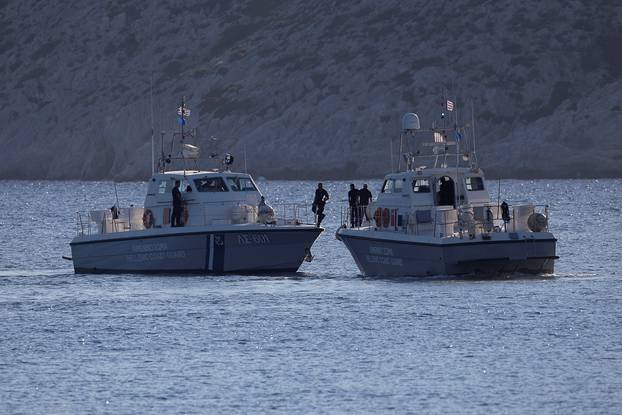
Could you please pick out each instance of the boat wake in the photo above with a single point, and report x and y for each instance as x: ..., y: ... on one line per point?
x: 8, y: 273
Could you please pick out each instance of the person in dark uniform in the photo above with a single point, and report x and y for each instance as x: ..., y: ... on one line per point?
x: 319, y: 202
x: 505, y: 215
x: 177, y: 206
x: 353, y: 201
x: 365, y: 199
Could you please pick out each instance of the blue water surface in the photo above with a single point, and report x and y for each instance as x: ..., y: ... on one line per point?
x: 323, y: 340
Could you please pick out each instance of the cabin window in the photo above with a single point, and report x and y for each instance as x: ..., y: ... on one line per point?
x: 398, y: 185
x: 387, y: 187
x: 474, y: 183
x: 243, y: 184
x: 421, y: 186
x: 184, y: 186
x: 162, y: 187
x: 234, y: 183
x: 393, y: 186
x: 210, y: 184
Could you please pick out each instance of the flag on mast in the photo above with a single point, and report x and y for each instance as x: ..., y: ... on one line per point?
x: 450, y: 105
x: 183, y: 111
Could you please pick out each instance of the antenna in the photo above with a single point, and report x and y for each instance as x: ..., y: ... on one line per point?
x: 245, y: 169
x: 473, y: 132
x: 115, y: 193
x: 399, y: 158
x: 391, y: 151
x: 162, y: 159
x: 498, y: 197
x: 152, y: 129
x: 151, y: 101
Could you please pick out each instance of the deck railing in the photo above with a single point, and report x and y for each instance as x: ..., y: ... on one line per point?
x: 441, y: 221
x: 133, y: 218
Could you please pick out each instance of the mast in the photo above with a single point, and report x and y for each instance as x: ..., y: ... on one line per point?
x: 182, y: 120
x: 473, y: 133
x: 152, y: 130
x: 183, y: 113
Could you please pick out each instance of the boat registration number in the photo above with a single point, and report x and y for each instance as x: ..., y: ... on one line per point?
x: 253, y: 239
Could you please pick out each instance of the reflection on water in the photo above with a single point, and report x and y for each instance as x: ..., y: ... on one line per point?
x: 322, y: 340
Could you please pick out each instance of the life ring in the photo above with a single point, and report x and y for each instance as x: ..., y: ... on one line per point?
x: 378, y: 217
x: 148, y: 221
x: 385, y: 217
x: 184, y: 215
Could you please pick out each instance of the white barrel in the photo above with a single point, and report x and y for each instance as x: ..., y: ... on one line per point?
x: 521, y: 217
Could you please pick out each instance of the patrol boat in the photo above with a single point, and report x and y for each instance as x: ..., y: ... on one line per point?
x: 440, y: 220
x: 227, y: 226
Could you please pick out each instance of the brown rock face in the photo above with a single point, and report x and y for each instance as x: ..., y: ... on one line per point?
x: 311, y: 89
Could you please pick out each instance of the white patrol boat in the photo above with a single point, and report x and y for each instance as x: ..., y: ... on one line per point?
x: 227, y: 226
x: 440, y: 220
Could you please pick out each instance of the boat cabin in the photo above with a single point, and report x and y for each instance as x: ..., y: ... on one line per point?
x: 434, y: 187
x: 430, y: 200
x: 210, y: 197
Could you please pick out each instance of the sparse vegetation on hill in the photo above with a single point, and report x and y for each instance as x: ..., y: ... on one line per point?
x: 311, y: 88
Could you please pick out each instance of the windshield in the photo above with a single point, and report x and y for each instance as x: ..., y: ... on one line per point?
x: 210, y: 184
x: 241, y: 184
x: 474, y: 183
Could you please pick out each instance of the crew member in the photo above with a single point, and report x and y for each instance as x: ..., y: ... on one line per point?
x: 177, y: 206
x: 319, y: 202
x: 365, y: 198
x: 265, y: 213
x: 505, y: 214
x: 353, y: 201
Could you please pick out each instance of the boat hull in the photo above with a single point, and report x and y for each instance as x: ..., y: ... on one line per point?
x: 381, y: 253
x: 206, y: 251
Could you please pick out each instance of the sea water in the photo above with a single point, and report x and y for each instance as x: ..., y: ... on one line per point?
x: 323, y: 340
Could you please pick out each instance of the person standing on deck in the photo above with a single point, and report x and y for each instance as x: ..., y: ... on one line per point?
x: 319, y: 202
x: 353, y: 201
x: 365, y: 198
x: 177, y: 206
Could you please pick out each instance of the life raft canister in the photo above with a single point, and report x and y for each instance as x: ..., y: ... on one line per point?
x: 386, y: 219
x: 378, y: 217
x: 148, y: 221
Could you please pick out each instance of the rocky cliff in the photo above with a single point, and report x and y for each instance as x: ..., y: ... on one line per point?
x: 309, y: 88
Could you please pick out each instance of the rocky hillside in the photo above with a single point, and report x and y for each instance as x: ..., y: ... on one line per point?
x: 310, y: 88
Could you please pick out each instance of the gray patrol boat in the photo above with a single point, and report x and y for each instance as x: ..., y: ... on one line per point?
x: 440, y: 220
x: 227, y: 226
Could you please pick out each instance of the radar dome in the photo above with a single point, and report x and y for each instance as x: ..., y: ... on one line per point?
x: 190, y: 151
x: 410, y: 121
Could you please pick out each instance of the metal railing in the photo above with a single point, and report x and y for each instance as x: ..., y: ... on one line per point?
x: 466, y: 221
x: 216, y: 213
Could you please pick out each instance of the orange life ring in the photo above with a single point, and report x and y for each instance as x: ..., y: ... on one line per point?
x: 385, y: 217
x: 148, y: 221
x: 378, y: 217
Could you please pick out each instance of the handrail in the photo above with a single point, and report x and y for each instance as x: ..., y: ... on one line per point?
x: 102, y: 221
x: 466, y: 224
